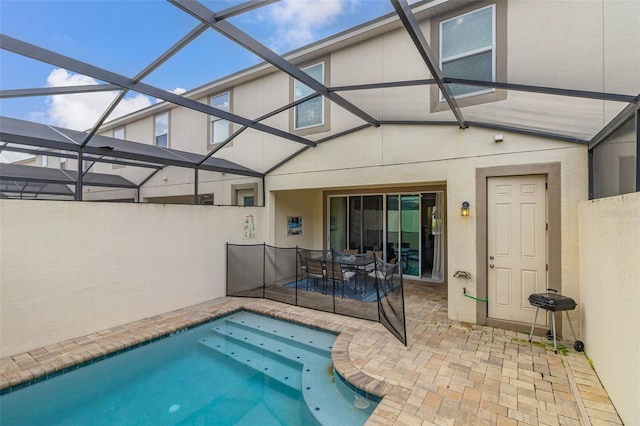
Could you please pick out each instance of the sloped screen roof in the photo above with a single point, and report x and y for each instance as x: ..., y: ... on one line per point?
x: 41, y: 135
x: 577, y: 114
x: 20, y: 179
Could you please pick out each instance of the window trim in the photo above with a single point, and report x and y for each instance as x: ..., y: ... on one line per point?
x: 500, y: 53
x: 441, y: 60
x: 325, y: 126
x: 155, y: 136
x: 210, y: 120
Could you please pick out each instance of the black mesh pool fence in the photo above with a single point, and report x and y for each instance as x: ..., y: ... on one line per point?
x: 360, y: 286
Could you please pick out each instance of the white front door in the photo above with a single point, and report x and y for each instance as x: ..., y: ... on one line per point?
x: 517, y: 246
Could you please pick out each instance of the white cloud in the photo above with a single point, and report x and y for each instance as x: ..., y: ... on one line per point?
x: 177, y: 91
x: 297, y: 20
x: 81, y: 111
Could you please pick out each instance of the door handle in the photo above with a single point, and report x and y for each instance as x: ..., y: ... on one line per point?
x: 491, y: 265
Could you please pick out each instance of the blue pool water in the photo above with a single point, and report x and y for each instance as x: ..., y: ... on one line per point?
x: 242, y: 369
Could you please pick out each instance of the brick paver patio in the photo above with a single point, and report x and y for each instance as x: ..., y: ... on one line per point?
x: 450, y: 373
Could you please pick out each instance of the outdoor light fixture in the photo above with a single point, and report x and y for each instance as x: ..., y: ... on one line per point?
x: 464, y: 210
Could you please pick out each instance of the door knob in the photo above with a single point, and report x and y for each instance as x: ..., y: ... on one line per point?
x: 491, y: 265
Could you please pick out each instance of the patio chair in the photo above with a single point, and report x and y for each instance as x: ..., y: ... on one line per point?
x: 376, y: 255
x: 335, y: 274
x: 315, y: 270
x: 303, y: 255
x: 383, y: 272
x: 351, y: 252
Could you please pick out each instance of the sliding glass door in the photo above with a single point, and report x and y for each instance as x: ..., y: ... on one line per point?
x: 414, y: 226
x: 356, y: 222
x: 338, y: 223
x: 406, y: 227
x: 410, y: 233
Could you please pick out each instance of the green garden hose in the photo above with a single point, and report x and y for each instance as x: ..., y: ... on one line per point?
x: 464, y: 290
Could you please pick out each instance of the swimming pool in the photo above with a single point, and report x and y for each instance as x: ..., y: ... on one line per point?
x: 241, y: 369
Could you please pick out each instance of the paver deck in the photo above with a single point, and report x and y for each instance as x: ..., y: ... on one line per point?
x: 449, y: 374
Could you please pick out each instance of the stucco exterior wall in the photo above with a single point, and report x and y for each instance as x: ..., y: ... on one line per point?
x: 414, y: 155
x: 610, y: 290
x: 69, y: 269
x: 301, y: 203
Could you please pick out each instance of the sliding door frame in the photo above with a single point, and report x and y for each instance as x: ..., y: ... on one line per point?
x: 385, y: 191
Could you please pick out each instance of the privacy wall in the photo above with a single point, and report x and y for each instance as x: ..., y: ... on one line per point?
x: 69, y: 269
x: 609, y: 230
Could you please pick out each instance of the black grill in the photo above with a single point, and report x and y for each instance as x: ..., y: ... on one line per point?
x: 554, y: 302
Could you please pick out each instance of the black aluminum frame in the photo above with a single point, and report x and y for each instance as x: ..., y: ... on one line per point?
x: 218, y: 21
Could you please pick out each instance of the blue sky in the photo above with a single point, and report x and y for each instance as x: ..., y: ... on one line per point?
x: 124, y: 36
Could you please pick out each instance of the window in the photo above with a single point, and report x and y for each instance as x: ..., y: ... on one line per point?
x: 206, y: 199
x: 467, y: 50
x: 311, y: 112
x: 44, y: 161
x: 244, y: 194
x: 220, y: 129
x: 118, y: 133
x: 162, y: 130
x: 248, y: 201
x: 63, y: 160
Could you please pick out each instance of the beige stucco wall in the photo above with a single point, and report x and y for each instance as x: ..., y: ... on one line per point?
x: 414, y: 155
x: 610, y: 292
x: 301, y: 203
x: 69, y: 269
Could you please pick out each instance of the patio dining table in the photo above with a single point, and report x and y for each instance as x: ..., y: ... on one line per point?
x: 358, y: 263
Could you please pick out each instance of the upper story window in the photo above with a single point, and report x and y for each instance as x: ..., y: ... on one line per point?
x: 311, y: 112
x: 220, y: 129
x: 118, y: 133
x: 468, y: 50
x: 44, y: 161
x: 161, y: 125
x: 63, y: 160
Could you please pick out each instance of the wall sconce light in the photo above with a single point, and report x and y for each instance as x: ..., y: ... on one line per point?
x: 464, y: 209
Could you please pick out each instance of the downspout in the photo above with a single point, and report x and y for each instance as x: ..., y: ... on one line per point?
x: 590, y: 172
x: 637, y: 147
x: 195, y: 186
x: 80, y: 178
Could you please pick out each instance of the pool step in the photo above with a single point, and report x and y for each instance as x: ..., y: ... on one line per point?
x: 299, y: 359
x: 320, y: 342
x: 314, y: 376
x: 271, y: 365
x: 259, y: 412
x: 265, y: 343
